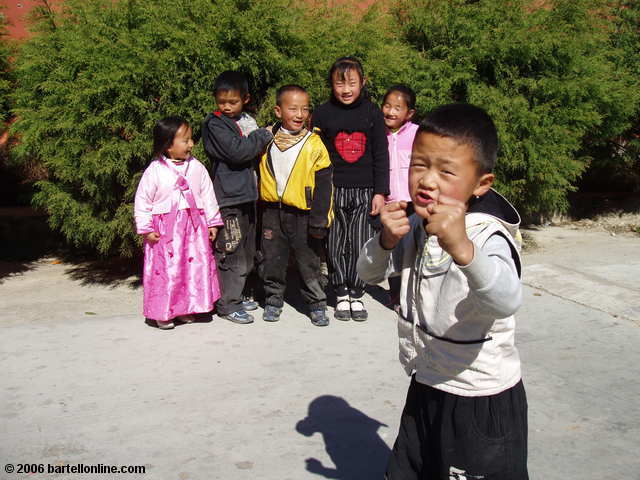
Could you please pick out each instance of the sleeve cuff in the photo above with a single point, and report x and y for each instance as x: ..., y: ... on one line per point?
x: 375, y: 246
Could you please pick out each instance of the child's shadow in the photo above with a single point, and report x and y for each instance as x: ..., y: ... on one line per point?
x: 351, y: 440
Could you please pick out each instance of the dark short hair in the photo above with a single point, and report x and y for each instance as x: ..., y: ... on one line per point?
x: 288, y: 88
x: 467, y: 124
x: 164, y: 132
x: 408, y: 94
x: 231, y: 80
x: 343, y: 65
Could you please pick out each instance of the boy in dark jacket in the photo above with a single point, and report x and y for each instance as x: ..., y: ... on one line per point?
x: 233, y: 141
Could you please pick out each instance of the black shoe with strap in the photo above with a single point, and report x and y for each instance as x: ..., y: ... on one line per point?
x: 359, y: 314
x: 343, y: 309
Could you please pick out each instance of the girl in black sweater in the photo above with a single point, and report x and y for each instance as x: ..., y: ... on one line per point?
x: 353, y: 130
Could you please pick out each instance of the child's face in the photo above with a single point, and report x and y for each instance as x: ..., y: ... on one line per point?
x: 293, y: 110
x: 443, y: 166
x: 396, y: 111
x: 231, y: 102
x: 182, y: 144
x: 347, y: 89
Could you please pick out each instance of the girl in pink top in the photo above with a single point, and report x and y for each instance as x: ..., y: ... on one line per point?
x: 398, y: 108
x: 177, y: 214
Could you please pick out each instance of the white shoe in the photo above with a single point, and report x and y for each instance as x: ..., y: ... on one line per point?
x: 165, y: 325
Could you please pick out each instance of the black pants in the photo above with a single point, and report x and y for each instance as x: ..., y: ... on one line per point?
x: 445, y: 436
x: 351, y: 228
x: 285, y: 230
x: 235, y: 254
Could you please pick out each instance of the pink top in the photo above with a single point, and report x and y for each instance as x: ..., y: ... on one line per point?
x: 400, y: 144
x: 160, y: 189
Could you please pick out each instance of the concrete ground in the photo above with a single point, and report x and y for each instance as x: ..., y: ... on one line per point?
x: 86, y: 381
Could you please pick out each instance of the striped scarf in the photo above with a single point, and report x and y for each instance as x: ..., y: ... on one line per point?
x: 284, y: 140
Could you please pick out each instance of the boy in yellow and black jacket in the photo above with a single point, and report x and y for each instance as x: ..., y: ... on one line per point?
x: 296, y: 191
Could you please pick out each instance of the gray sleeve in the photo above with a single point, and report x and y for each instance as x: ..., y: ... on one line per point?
x: 493, y: 277
x: 376, y: 264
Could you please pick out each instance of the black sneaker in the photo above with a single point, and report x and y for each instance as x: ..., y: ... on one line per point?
x: 271, y: 313
x: 240, y: 317
x: 319, y: 317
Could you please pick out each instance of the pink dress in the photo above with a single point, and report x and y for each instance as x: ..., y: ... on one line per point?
x: 180, y: 275
x: 400, y: 144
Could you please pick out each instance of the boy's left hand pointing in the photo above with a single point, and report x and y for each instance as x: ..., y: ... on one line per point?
x: 446, y: 221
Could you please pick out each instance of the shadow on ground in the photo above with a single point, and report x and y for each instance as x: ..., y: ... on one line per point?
x: 25, y: 238
x: 588, y: 205
x: 293, y: 297
x: 351, y: 440
x: 110, y: 272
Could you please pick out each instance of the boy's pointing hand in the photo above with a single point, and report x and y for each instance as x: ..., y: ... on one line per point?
x: 395, y: 224
x: 446, y: 221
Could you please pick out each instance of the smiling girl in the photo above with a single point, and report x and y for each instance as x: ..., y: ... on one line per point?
x: 353, y: 131
x: 177, y: 214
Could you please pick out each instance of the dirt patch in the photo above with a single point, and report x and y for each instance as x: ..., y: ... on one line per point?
x: 614, y: 223
x: 615, y: 213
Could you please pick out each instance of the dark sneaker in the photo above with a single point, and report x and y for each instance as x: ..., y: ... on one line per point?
x: 343, y: 309
x: 271, y: 313
x: 358, y: 312
x: 240, y: 317
x: 186, y: 318
x: 165, y: 325
x: 319, y: 317
x: 249, y: 305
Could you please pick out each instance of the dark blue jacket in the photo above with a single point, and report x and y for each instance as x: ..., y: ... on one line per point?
x: 233, y: 158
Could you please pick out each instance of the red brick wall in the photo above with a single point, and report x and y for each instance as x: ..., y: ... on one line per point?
x: 16, y: 11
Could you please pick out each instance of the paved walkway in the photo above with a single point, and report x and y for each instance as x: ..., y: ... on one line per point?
x: 86, y: 381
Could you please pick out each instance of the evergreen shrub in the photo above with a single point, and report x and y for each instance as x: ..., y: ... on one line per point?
x: 616, y: 151
x: 547, y: 75
x: 100, y: 73
x: 560, y: 81
x: 6, y: 73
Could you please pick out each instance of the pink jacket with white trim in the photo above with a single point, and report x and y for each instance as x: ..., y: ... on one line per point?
x: 157, y: 192
x: 400, y: 144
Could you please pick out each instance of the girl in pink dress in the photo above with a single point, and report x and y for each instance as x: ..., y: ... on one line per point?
x: 177, y: 214
x: 398, y: 108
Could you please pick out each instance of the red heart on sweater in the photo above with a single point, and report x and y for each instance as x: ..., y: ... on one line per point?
x: 351, y: 146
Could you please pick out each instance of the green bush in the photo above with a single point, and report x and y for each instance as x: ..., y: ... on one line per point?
x: 6, y: 74
x: 616, y: 151
x: 548, y: 77
x: 93, y: 83
x: 561, y: 83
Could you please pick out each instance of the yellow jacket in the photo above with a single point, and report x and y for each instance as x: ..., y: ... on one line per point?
x: 309, y: 186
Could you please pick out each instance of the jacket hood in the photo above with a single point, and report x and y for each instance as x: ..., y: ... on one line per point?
x: 496, y: 206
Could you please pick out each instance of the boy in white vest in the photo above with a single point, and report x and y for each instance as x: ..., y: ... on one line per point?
x: 458, y: 256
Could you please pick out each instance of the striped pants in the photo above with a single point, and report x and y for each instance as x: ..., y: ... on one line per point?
x: 349, y: 232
